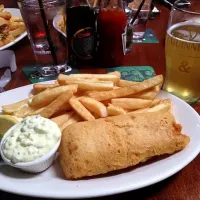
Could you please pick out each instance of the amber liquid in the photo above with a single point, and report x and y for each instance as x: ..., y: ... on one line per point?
x: 183, y: 61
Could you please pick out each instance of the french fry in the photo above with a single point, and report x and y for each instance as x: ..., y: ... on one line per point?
x: 163, y: 106
x: 106, y: 102
x: 54, y: 106
x: 160, y: 86
x: 146, y: 94
x: 15, y: 25
x: 31, y: 95
x: 80, y: 94
x: 41, y: 87
x: 125, y: 83
x: 8, y: 39
x: 47, y: 96
x: 94, y: 106
x: 24, y: 111
x: 62, y: 23
x: 36, y: 111
x: 59, y: 120
x: 121, y: 92
x: 115, y: 110
x: 1, y: 7
x: 90, y: 100
x: 95, y: 115
x: 155, y: 102
x: 131, y: 103
x: 59, y: 113
x: 1, y: 43
x: 80, y: 109
x: 16, y: 19
x: 85, y: 85
x: 74, y: 119
x: 102, y: 77
x: 64, y: 108
x: 116, y: 73
x: 142, y: 110
x: 14, y: 106
x: 5, y: 15
x: 15, y: 33
x: 63, y: 78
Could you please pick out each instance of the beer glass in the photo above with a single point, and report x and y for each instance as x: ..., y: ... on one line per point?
x: 182, y: 50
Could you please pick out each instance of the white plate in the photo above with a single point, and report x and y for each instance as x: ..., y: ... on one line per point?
x: 15, y: 12
x: 56, y: 20
x: 51, y: 183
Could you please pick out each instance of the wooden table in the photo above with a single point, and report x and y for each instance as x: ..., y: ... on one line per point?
x: 185, y: 185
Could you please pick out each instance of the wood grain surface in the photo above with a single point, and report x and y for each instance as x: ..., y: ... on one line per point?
x: 185, y: 185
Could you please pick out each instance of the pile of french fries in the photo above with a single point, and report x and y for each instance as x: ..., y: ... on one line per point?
x: 86, y: 97
x: 16, y: 26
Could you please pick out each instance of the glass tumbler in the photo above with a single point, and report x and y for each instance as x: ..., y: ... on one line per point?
x: 139, y: 26
x: 43, y: 19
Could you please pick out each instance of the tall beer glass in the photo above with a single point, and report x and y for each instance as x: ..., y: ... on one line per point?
x: 182, y: 51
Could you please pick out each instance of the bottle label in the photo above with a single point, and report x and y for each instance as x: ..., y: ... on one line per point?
x: 83, y: 43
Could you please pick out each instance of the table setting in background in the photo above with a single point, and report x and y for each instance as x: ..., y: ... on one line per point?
x: 99, y: 99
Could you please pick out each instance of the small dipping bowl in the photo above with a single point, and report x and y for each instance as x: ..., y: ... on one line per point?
x: 38, y: 165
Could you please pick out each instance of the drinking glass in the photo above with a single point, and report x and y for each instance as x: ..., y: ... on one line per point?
x: 42, y: 17
x: 139, y: 26
x: 182, y: 51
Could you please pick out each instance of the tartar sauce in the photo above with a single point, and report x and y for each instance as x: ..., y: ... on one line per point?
x: 32, y: 138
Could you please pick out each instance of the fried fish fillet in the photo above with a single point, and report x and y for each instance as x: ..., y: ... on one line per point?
x: 113, y: 143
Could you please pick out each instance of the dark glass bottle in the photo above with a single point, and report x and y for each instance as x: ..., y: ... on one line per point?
x: 81, y: 33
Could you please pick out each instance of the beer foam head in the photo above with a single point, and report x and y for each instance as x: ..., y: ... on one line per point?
x: 186, y: 31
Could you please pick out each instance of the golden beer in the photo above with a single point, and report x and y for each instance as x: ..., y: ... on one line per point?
x: 183, y: 61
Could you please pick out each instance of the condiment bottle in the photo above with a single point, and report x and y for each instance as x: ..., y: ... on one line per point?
x: 112, y: 23
x: 81, y: 33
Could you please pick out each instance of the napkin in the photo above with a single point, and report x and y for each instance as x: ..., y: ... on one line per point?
x: 7, y: 59
x: 134, y: 73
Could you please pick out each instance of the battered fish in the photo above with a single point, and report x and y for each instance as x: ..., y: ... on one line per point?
x: 100, y: 146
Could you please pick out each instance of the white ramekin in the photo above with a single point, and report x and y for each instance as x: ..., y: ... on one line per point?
x: 38, y: 165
